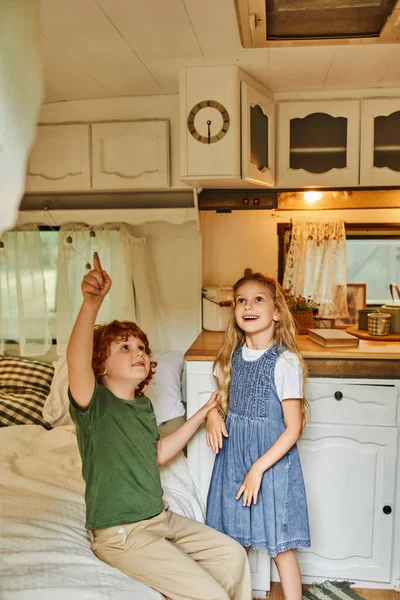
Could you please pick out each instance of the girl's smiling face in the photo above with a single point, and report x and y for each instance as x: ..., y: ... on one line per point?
x: 255, y: 309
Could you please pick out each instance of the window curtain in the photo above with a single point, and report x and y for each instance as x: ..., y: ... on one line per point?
x: 316, y: 264
x: 124, y: 258
x: 23, y: 307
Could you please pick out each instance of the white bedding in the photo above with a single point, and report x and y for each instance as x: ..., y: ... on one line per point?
x: 44, y: 548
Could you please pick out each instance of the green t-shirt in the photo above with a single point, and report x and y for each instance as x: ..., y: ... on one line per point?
x: 117, y: 441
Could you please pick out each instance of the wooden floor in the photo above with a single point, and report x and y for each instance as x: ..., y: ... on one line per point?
x: 276, y: 593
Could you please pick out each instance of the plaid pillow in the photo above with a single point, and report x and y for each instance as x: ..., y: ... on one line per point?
x: 24, y: 387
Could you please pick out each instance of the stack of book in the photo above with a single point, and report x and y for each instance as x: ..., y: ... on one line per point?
x: 331, y: 338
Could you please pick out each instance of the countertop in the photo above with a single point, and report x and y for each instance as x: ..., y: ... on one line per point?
x: 370, y: 359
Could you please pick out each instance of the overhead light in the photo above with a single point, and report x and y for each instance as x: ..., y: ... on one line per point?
x: 312, y: 197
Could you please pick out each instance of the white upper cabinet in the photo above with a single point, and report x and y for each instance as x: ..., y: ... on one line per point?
x: 60, y: 159
x: 380, y: 142
x: 227, y: 129
x: 318, y: 143
x: 258, y: 137
x: 130, y: 155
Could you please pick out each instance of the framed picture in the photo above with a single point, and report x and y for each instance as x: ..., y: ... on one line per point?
x: 356, y: 299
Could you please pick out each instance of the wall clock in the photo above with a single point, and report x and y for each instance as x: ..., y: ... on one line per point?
x: 208, y: 121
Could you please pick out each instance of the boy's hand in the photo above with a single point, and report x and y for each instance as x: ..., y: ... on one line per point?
x: 215, y: 429
x: 97, y: 283
x: 212, y: 403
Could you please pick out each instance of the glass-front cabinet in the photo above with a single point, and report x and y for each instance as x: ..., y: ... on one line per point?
x: 380, y: 142
x: 258, y: 137
x: 318, y: 143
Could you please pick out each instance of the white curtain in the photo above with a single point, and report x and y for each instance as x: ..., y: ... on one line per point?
x: 23, y: 308
x: 124, y: 258
x: 173, y: 259
x: 149, y: 312
x: 316, y: 264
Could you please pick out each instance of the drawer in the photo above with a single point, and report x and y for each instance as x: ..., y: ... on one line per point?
x: 352, y: 403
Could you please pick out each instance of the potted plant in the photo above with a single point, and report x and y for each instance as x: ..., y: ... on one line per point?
x: 303, y: 311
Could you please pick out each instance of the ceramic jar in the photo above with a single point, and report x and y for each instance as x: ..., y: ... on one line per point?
x: 379, y: 323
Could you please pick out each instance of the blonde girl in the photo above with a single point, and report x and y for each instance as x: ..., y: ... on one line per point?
x: 257, y: 493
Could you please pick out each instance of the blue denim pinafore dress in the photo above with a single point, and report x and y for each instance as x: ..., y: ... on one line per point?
x: 279, y: 520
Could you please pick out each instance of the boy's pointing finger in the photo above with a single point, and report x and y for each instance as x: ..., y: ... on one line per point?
x: 96, y: 262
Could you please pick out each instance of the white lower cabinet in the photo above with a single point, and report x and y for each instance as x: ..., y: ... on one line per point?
x: 349, y: 457
x: 350, y: 481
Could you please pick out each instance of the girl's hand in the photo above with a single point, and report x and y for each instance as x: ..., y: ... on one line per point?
x: 250, y: 486
x: 96, y: 284
x: 212, y: 403
x: 215, y: 429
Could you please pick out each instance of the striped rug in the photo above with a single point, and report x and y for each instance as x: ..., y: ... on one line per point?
x: 331, y: 590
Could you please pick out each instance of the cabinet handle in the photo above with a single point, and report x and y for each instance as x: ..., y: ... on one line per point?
x: 387, y: 510
x: 338, y: 395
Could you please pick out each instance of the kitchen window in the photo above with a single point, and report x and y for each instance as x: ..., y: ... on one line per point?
x: 372, y: 257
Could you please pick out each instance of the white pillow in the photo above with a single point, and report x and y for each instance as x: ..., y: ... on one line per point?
x: 56, y: 407
x: 165, y: 390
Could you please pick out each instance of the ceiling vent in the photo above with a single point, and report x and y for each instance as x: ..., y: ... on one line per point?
x: 274, y: 23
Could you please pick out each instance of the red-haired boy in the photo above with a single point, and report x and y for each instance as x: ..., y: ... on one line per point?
x: 128, y: 525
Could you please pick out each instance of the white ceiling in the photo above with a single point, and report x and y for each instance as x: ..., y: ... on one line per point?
x: 105, y: 48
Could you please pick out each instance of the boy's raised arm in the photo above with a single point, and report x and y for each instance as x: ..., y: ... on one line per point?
x: 95, y: 285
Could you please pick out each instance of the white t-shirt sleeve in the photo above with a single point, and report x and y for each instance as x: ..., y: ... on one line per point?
x: 288, y: 376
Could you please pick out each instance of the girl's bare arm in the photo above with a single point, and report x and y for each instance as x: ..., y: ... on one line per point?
x: 215, y: 430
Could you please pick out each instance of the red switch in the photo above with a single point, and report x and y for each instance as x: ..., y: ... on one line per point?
x: 246, y: 201
x: 256, y: 201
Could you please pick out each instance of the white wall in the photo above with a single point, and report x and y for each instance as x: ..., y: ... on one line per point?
x: 20, y: 98
x: 234, y: 241
x: 130, y: 108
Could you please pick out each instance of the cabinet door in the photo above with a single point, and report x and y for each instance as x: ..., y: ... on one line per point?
x: 318, y: 143
x: 380, y: 142
x: 349, y: 474
x: 258, y: 137
x: 199, y: 386
x: 59, y: 160
x: 132, y: 155
x: 210, y: 164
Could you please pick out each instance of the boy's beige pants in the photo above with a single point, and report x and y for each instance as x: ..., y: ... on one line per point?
x: 181, y: 558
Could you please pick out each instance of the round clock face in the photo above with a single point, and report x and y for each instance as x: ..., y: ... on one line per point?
x: 208, y: 121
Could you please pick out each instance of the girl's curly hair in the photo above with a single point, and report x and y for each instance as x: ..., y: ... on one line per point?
x: 118, y: 331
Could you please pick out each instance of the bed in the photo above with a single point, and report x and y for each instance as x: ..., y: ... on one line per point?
x: 44, y: 549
